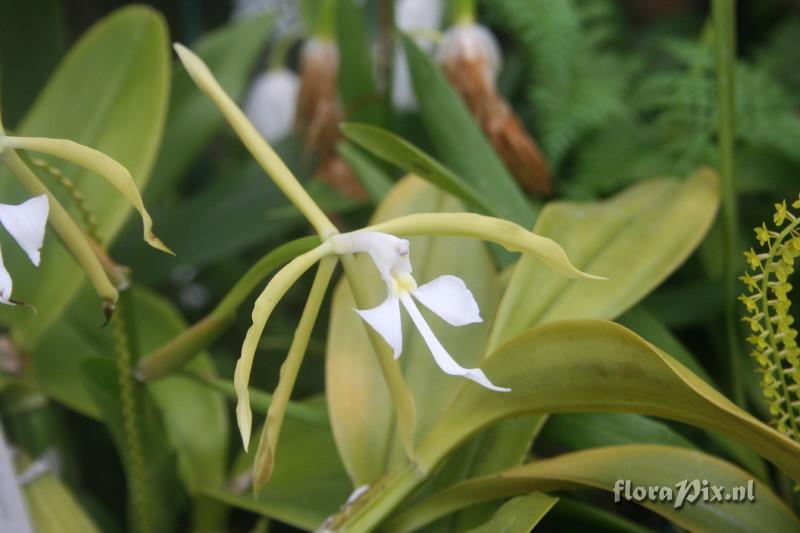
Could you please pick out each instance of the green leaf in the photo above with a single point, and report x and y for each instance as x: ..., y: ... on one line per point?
x: 372, y: 177
x: 361, y: 411
x: 518, y: 515
x: 405, y: 155
x: 356, y: 80
x: 589, y: 365
x: 308, y: 483
x: 643, y: 465
x: 579, y: 431
x: 635, y: 239
x: 231, y: 52
x: 202, y: 447
x: 109, y: 93
x: 458, y: 141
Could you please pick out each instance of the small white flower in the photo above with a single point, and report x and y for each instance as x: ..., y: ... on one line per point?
x: 412, y: 16
x: 271, y: 103
x: 25, y: 223
x: 447, y: 296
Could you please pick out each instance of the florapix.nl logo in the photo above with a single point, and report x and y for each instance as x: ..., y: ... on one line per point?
x: 685, y: 491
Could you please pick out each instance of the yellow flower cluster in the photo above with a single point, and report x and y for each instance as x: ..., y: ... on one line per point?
x: 772, y: 336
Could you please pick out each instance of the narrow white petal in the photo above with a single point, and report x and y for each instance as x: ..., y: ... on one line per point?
x: 5, y: 283
x: 26, y: 223
x: 385, y: 319
x: 410, y: 15
x: 449, y: 297
x: 440, y: 355
x: 271, y: 103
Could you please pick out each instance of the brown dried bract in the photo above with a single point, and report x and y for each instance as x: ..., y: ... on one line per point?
x: 469, y: 66
x: 319, y: 114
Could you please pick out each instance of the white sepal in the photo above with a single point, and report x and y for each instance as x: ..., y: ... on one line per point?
x: 385, y: 319
x: 26, y: 222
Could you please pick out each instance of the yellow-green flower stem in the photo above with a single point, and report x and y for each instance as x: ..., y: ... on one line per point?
x: 255, y: 143
x: 464, y: 11
x: 73, y: 237
x: 392, y: 374
x: 268, y: 443
x: 139, y: 476
x: 182, y: 348
x: 725, y: 48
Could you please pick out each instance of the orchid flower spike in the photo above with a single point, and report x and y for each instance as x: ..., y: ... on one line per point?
x: 447, y: 296
x: 26, y: 224
x: 271, y: 103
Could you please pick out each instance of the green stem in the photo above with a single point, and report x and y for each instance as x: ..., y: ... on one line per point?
x: 138, y: 474
x: 182, y: 348
x: 725, y: 50
x: 464, y: 11
x: 325, y: 23
x: 265, y: 454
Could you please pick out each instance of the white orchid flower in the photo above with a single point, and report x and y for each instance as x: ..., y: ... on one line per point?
x: 413, y: 17
x: 271, y: 103
x: 447, y: 296
x: 25, y: 223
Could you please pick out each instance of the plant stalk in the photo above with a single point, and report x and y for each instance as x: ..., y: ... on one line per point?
x: 724, y: 15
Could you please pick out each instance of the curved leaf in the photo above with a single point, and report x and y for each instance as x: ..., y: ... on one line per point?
x: 588, y: 365
x: 644, y: 466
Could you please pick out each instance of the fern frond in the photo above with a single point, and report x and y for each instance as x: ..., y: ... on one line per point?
x: 575, y: 87
x: 772, y: 336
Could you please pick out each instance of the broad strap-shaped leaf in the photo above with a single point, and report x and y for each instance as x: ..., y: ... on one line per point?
x: 644, y: 466
x: 360, y: 408
x: 110, y: 92
x: 592, y: 365
x: 635, y: 239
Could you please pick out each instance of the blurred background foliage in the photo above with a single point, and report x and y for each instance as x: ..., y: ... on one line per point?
x: 614, y: 91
